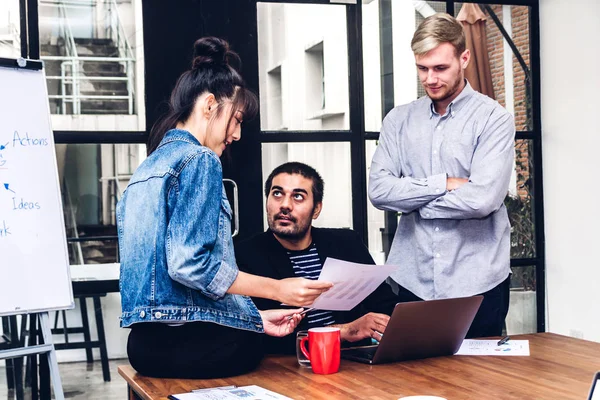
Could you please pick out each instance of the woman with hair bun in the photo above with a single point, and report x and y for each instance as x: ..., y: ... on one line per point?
x: 182, y: 294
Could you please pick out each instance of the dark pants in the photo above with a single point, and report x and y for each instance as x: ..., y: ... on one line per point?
x: 194, y: 350
x: 489, y: 320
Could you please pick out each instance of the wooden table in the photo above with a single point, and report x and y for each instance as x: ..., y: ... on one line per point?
x: 559, y: 367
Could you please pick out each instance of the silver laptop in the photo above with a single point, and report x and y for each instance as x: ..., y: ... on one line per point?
x: 421, y: 329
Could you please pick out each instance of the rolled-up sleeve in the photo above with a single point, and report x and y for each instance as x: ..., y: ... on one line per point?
x: 389, y: 189
x: 194, y: 257
x: 491, y: 169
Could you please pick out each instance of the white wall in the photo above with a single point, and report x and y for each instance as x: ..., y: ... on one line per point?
x: 570, y: 85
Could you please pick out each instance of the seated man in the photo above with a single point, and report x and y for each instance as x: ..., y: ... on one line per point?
x: 291, y: 247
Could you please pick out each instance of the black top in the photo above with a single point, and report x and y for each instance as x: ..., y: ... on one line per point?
x: 263, y: 255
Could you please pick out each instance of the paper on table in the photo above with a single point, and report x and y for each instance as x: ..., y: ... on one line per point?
x: 474, y: 347
x: 251, y: 392
x: 352, y: 283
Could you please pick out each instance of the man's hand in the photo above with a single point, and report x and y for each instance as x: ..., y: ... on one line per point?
x: 371, y: 325
x: 280, y: 322
x: 455, y: 183
x: 301, y: 292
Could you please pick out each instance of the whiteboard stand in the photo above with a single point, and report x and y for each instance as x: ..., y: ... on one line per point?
x: 32, y: 228
x: 46, y: 348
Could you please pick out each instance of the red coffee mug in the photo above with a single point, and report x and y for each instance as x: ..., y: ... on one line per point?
x: 323, y: 349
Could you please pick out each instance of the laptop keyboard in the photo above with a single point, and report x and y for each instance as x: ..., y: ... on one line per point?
x: 366, y: 352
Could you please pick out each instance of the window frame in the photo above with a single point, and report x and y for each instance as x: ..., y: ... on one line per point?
x: 356, y: 135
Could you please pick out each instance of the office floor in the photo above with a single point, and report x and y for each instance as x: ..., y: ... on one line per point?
x: 80, y: 381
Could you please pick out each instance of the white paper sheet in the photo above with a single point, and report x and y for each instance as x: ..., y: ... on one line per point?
x: 353, y: 282
x: 474, y: 347
x: 251, y: 392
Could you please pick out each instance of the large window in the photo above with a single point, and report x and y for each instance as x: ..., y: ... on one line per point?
x: 304, y: 90
x: 295, y: 85
x: 326, y: 75
x: 92, y: 179
x: 94, y: 64
x: 303, y: 72
x: 91, y: 53
x: 505, y: 73
x: 10, y: 29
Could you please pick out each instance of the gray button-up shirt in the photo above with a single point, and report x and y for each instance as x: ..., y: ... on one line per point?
x: 448, y: 243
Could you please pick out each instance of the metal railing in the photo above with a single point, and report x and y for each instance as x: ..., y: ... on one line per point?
x: 115, y: 181
x: 72, y: 77
x: 12, y: 35
x: 116, y: 32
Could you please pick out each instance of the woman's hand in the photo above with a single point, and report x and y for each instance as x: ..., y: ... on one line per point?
x: 280, y: 322
x: 301, y: 292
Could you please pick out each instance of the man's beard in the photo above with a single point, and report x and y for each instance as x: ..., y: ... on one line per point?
x: 448, y: 93
x: 294, y: 231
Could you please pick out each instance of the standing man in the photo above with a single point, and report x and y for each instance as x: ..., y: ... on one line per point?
x: 292, y: 247
x: 444, y: 161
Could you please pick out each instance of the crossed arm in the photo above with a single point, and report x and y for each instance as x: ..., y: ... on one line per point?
x: 474, y: 196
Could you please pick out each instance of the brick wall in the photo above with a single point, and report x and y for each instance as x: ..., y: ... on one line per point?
x: 520, y: 36
x: 496, y: 54
x: 520, y: 30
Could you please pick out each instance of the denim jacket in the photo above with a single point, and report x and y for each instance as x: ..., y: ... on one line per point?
x: 174, y: 226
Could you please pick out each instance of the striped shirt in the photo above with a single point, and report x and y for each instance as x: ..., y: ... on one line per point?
x: 307, y: 264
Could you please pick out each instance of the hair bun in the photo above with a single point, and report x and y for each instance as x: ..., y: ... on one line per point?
x: 213, y: 51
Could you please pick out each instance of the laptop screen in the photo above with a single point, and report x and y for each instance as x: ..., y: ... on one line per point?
x: 595, y: 390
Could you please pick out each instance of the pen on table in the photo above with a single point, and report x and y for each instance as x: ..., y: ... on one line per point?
x: 503, y: 340
x: 302, y: 312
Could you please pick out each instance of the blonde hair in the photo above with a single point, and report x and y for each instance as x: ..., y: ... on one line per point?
x: 437, y: 29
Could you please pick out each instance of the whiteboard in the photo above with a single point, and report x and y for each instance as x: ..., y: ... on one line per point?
x: 34, y: 261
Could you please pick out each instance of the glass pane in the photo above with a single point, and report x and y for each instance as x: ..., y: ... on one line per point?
x: 332, y: 161
x: 10, y: 29
x: 519, y: 202
x: 376, y: 223
x: 509, y: 71
x: 93, y: 54
x: 390, y: 76
x: 522, y: 312
x: 93, y: 177
x: 303, y: 73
